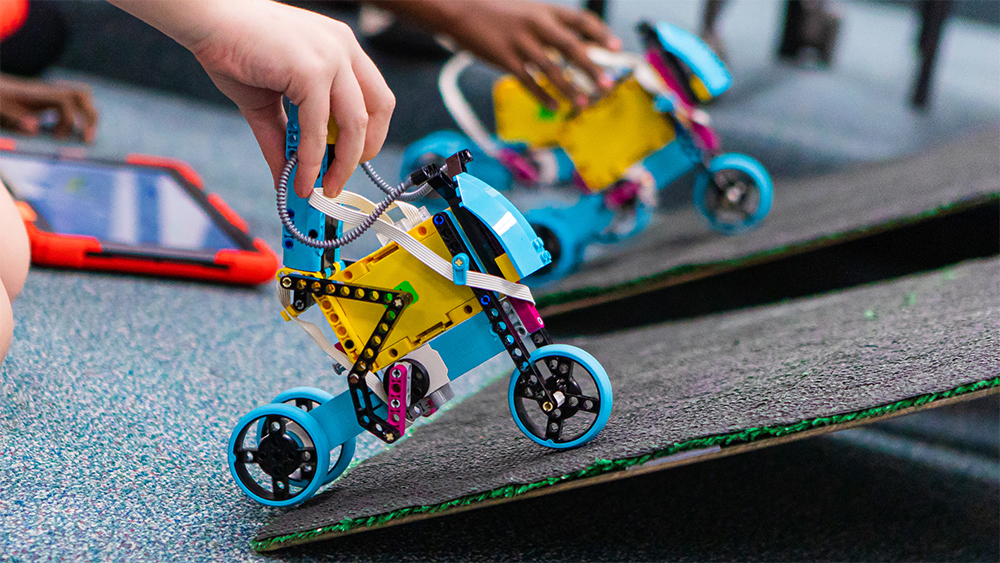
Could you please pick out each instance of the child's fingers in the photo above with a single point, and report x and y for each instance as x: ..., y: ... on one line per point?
x: 589, y: 26
x: 379, y: 102
x: 19, y: 118
x: 537, y: 55
x: 314, y: 114
x: 519, y: 71
x: 347, y: 105
x: 570, y: 45
x: 268, y: 126
x: 88, y: 112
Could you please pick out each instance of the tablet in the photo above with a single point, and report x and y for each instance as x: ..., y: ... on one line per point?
x: 146, y: 215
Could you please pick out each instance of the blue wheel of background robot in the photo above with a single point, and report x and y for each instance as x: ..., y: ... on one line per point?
x: 306, y: 399
x: 293, y: 457
x: 566, y: 232
x: 589, y: 400
x: 740, y: 204
x: 434, y: 148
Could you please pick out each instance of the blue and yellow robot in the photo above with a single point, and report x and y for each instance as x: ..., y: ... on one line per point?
x: 438, y: 299
x: 643, y: 136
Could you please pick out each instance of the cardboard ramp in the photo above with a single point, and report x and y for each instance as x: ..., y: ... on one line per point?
x: 690, y: 391
x: 807, y: 214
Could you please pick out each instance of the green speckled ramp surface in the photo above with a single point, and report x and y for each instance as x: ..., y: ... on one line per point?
x: 806, y: 213
x: 747, y: 377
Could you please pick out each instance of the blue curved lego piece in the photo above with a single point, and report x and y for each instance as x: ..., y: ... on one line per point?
x: 691, y: 50
x: 604, y: 392
x: 526, y: 251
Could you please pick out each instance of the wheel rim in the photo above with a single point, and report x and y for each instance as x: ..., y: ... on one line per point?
x: 732, y: 199
x: 285, y: 465
x: 306, y: 399
x: 581, y: 399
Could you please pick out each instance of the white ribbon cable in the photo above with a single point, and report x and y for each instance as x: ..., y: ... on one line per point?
x: 314, y: 332
x: 459, y: 107
x: 644, y: 73
x: 443, y: 267
x: 361, y: 203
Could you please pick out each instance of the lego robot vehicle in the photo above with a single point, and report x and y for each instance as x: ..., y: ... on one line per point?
x: 439, y: 298
x: 619, y: 151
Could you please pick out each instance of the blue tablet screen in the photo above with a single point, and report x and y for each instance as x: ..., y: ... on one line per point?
x: 132, y: 206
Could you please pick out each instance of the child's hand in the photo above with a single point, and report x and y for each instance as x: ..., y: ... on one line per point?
x: 24, y: 100
x: 257, y: 50
x: 515, y: 35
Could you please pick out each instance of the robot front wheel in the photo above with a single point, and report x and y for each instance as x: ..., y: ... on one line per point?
x: 286, y: 465
x: 580, y: 403
x: 733, y: 193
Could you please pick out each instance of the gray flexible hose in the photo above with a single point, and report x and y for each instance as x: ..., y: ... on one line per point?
x: 387, y: 189
x: 392, y: 194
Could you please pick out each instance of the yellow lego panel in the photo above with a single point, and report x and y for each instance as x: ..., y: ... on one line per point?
x: 332, y: 131
x: 605, y: 139
x: 438, y: 303
x: 507, y: 268
x: 522, y: 119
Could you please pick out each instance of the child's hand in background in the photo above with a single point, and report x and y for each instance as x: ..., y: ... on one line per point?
x: 257, y: 50
x: 515, y: 35
x: 23, y: 101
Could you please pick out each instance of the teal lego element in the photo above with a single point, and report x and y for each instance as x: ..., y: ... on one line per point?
x: 338, y: 419
x: 698, y: 57
x: 295, y: 254
x: 580, y: 405
x: 460, y: 268
x: 735, y: 193
x: 307, y: 399
x: 668, y: 164
x: 526, y: 251
x: 293, y: 457
x: 566, y: 232
x: 665, y: 103
x: 466, y: 346
x: 408, y: 287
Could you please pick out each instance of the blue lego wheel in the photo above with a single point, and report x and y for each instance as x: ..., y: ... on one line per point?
x: 436, y: 147
x: 580, y: 392
x: 306, y: 399
x: 286, y: 465
x: 565, y: 233
x: 734, y: 194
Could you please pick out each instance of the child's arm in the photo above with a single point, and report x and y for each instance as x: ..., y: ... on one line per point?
x: 515, y: 35
x: 257, y: 50
x: 15, y: 256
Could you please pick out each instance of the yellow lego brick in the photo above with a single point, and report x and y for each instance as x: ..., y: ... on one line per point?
x: 605, y: 139
x: 507, y: 268
x: 522, y: 119
x: 332, y: 131
x: 699, y: 89
x: 438, y: 303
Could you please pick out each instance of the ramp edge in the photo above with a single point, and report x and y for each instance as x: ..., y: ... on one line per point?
x: 603, y: 466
